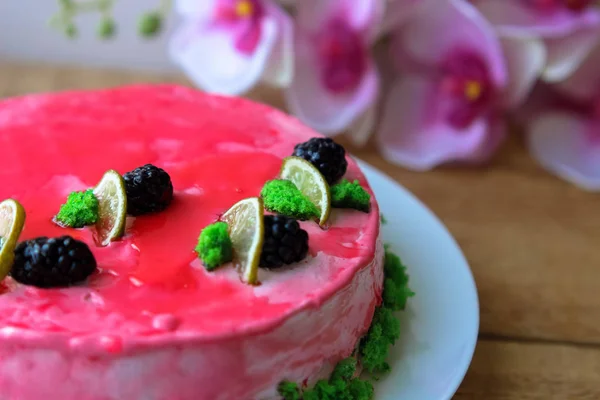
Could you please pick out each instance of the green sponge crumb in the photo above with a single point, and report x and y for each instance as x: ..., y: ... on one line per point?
x: 283, y: 197
x: 376, y: 344
x: 348, y: 194
x: 344, y: 371
x: 214, y: 246
x: 360, y: 389
x: 396, y: 291
x: 289, y: 390
x: 385, y: 328
x: 323, y: 390
x: 374, y: 347
x: 81, y: 209
x: 341, y: 386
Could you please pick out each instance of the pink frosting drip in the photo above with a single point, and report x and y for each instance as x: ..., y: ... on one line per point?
x: 153, y: 324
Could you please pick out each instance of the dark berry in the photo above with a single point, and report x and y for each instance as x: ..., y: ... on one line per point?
x: 149, y: 190
x: 54, y: 262
x: 285, y: 242
x: 325, y: 154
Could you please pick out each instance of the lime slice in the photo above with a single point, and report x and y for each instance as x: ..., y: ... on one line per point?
x: 310, y: 182
x: 112, y: 207
x: 246, y: 230
x: 12, y: 219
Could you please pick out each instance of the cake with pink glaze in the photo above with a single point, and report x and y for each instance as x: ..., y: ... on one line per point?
x: 152, y: 323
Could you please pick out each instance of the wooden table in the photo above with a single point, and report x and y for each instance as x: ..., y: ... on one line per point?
x: 533, y: 243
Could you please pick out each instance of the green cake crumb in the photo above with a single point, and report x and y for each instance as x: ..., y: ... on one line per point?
x: 214, y: 246
x: 383, y: 219
x: 345, y: 370
x: 81, y: 209
x: 374, y: 347
x: 396, y: 291
x: 385, y: 328
x: 348, y: 194
x: 289, y: 390
x: 283, y: 197
x: 342, y: 385
x: 360, y: 389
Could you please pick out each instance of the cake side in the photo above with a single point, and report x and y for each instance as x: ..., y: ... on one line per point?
x: 304, y: 349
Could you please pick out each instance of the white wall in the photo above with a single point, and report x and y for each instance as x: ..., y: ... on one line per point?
x: 26, y: 35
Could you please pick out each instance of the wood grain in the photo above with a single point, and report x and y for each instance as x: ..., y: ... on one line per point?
x: 532, y: 371
x: 532, y: 241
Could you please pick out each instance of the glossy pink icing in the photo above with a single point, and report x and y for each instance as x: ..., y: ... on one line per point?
x: 153, y: 324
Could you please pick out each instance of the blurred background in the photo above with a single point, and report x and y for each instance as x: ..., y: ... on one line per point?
x: 25, y: 35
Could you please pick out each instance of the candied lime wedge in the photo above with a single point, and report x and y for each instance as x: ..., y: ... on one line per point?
x: 311, y: 183
x: 112, y: 208
x: 246, y: 230
x: 12, y: 220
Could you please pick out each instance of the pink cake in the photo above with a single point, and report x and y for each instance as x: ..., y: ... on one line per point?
x: 152, y: 323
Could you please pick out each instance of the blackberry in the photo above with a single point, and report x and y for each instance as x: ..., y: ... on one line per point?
x: 54, y: 262
x: 149, y: 190
x: 325, y: 154
x: 284, y: 242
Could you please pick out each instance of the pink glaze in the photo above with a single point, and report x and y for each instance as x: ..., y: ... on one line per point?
x: 153, y: 324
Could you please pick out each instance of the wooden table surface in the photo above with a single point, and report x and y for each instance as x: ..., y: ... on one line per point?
x: 533, y: 243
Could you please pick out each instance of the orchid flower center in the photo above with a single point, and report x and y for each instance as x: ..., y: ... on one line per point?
x: 466, y: 82
x: 342, y: 56
x: 244, y: 8
x: 244, y: 18
x: 233, y: 10
x: 473, y: 90
x: 553, y: 5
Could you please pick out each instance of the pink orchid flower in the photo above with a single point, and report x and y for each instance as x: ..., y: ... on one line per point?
x: 336, y: 81
x: 395, y: 14
x: 569, y: 28
x: 456, y: 78
x: 228, y: 46
x: 565, y: 138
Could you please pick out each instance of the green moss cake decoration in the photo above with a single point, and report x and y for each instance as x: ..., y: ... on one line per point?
x: 373, y: 349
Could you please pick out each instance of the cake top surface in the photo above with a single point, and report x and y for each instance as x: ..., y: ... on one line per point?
x: 150, y: 285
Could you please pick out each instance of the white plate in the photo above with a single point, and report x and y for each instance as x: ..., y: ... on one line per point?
x: 440, y: 325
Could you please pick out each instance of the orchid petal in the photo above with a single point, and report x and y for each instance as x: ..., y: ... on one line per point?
x: 199, y: 10
x: 584, y: 83
x: 327, y: 112
x: 563, y: 143
x: 209, y: 57
x: 525, y: 60
x: 311, y: 15
x: 442, y: 27
x: 280, y: 68
x: 362, y: 128
x: 566, y: 54
x: 516, y: 18
x: 396, y: 13
x: 497, y: 133
x: 412, y: 135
